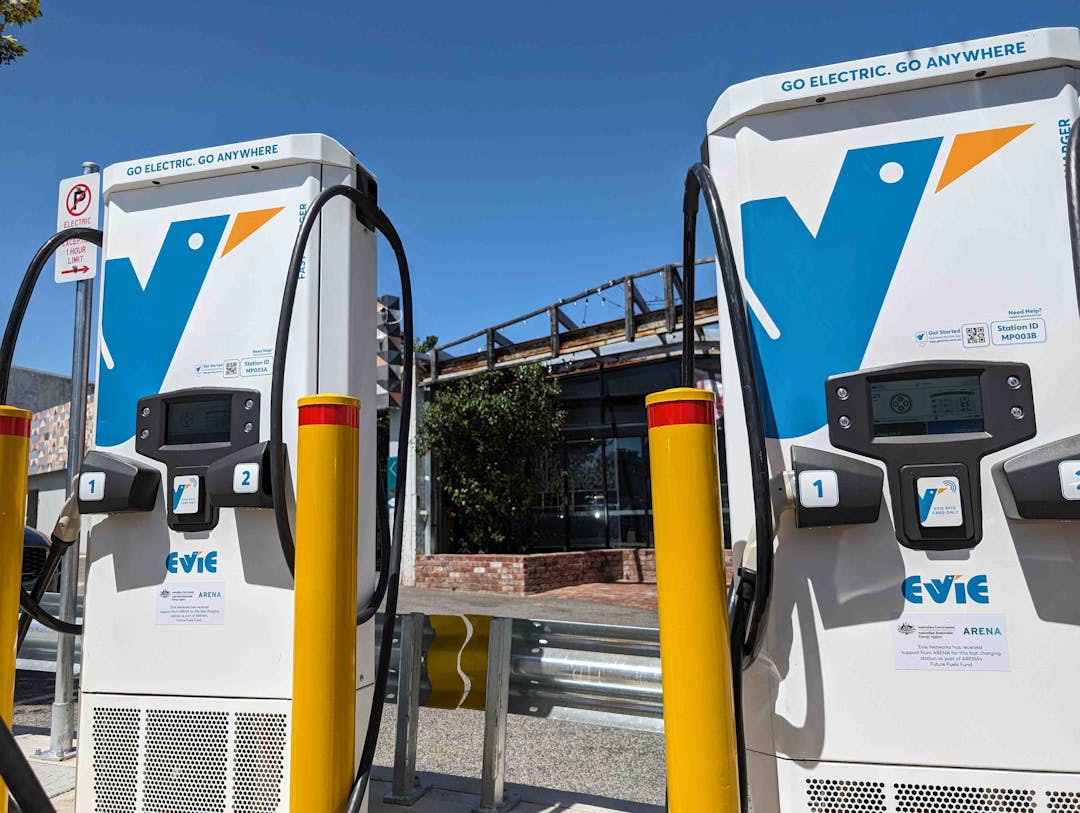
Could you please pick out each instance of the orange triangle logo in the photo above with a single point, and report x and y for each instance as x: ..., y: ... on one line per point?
x: 970, y: 149
x: 245, y: 225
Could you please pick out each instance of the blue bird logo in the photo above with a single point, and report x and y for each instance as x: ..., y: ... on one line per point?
x: 822, y: 293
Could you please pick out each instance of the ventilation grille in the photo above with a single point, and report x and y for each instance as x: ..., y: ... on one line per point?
x: 958, y: 799
x: 845, y: 796
x: 1061, y: 801
x: 836, y: 795
x: 187, y: 761
x: 116, y: 759
x: 260, y: 762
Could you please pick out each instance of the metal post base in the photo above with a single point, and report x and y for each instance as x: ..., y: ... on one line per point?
x: 509, y: 801
x: 62, y: 735
x: 55, y: 756
x: 410, y: 797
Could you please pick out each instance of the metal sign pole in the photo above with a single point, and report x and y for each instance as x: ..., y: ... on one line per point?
x: 62, y: 734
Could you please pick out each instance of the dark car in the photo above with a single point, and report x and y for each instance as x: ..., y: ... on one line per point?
x: 35, y: 549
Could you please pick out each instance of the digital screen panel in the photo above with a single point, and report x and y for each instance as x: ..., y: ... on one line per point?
x: 198, y: 421
x: 937, y: 405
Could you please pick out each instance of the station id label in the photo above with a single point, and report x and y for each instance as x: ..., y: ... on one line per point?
x: 1018, y: 331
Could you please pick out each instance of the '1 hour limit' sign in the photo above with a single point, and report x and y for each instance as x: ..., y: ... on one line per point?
x: 78, y: 207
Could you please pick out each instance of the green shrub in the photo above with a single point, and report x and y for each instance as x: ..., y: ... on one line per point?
x: 487, y: 433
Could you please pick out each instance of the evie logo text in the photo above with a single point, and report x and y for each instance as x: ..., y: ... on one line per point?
x: 939, y: 591
x: 196, y: 562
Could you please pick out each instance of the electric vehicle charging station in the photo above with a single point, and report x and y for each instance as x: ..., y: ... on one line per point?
x: 909, y: 260
x: 187, y: 664
x: 906, y: 253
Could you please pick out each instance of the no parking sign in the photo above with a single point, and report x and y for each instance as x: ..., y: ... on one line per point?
x: 77, y: 207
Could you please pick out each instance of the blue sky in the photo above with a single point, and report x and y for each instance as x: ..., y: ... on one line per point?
x: 525, y: 150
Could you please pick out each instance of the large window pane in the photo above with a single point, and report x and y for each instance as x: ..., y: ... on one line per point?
x: 629, y: 522
x: 551, y: 511
x: 588, y: 506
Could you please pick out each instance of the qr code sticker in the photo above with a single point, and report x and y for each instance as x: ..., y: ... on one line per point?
x: 975, y: 336
x: 232, y: 368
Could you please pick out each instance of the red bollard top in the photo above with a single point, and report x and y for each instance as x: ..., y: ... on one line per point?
x: 680, y: 405
x: 15, y: 421
x: 329, y: 409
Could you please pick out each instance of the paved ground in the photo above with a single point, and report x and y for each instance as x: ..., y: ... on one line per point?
x: 553, y: 765
x: 33, y: 702
x: 641, y: 595
x: 557, y: 765
x: 447, y: 794
x: 542, y: 605
x: 579, y: 759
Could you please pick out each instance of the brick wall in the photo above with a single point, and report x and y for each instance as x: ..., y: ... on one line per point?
x: 548, y: 571
x: 538, y: 572
x: 639, y: 565
x: 452, y: 571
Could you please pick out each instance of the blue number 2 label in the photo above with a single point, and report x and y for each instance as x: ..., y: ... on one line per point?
x: 247, y: 478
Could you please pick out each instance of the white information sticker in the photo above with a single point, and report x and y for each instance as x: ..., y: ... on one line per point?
x: 191, y: 603
x: 970, y: 642
x: 1019, y: 331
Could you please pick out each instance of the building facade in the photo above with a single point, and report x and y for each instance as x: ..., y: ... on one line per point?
x: 595, y: 481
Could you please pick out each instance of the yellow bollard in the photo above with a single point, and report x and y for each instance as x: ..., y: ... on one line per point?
x: 324, y: 624
x: 14, y: 459
x: 699, y: 722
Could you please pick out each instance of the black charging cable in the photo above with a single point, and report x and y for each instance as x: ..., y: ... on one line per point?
x: 57, y: 548
x: 389, y: 577
x: 14, y: 767
x: 28, y: 601
x: 699, y: 182
x: 750, y: 593
x: 1072, y: 197
x: 382, y: 511
x: 26, y: 290
x: 19, y: 777
x: 44, y: 617
x: 742, y: 601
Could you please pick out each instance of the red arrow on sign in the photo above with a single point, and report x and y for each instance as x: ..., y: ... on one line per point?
x: 78, y: 269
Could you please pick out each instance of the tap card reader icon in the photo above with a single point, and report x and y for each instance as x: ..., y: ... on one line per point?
x: 185, y: 494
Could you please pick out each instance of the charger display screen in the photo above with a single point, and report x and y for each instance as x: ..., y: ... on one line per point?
x: 935, y: 405
x: 205, y: 421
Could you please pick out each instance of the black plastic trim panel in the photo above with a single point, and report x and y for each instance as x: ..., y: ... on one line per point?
x: 129, y: 485
x: 1008, y: 419
x: 860, y: 488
